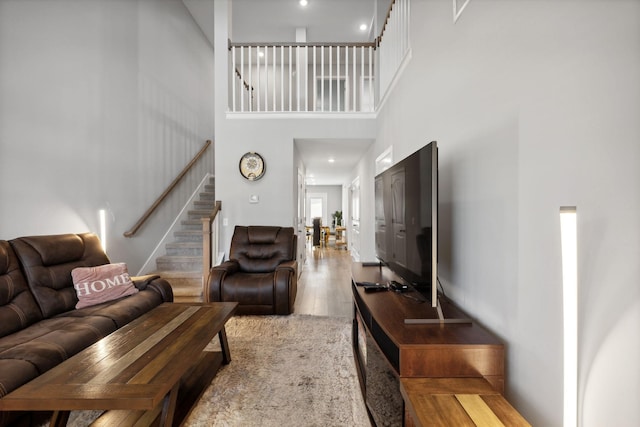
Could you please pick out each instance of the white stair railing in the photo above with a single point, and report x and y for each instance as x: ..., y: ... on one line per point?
x: 393, y: 44
x: 302, y: 77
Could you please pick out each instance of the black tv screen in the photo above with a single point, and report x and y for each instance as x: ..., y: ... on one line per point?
x: 406, y: 219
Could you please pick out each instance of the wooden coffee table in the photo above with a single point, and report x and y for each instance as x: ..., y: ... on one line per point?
x: 154, y: 367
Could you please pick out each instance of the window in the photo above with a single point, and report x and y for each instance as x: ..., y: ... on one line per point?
x: 316, y: 207
x: 315, y: 204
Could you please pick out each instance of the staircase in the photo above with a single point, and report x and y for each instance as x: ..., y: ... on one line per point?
x: 182, y: 264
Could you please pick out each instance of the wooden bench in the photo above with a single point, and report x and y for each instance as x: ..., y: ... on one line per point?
x: 456, y: 402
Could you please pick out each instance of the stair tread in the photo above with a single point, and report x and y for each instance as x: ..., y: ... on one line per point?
x: 172, y: 274
x: 192, y: 235
x: 184, y: 245
x: 184, y: 254
x: 180, y: 257
x: 203, y: 212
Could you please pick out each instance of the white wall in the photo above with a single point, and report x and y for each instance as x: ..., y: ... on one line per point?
x: 274, y: 140
x: 535, y: 105
x: 272, y: 137
x: 102, y: 103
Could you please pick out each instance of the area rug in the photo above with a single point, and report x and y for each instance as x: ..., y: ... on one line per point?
x: 293, y: 370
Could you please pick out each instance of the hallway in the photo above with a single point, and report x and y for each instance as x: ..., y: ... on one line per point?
x: 324, y: 287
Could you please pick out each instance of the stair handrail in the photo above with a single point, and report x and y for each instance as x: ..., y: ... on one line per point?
x: 386, y: 21
x: 210, y: 240
x: 165, y: 193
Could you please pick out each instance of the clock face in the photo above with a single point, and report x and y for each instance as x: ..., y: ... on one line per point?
x: 252, y: 166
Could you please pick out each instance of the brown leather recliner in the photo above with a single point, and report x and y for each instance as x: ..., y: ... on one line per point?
x: 261, y: 273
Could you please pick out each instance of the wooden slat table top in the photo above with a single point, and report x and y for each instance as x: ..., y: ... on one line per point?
x: 132, y: 368
x: 457, y: 402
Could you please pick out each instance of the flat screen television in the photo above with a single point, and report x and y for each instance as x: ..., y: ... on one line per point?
x: 406, y: 219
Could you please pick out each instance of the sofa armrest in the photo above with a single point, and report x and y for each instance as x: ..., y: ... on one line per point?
x: 141, y: 282
x: 155, y: 283
x: 212, y: 291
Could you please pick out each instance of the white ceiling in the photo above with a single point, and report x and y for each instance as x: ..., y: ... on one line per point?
x: 325, y: 21
x: 277, y: 20
x: 315, y: 154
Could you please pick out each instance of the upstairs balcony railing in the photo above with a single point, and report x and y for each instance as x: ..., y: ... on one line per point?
x: 319, y: 77
x: 302, y: 77
x: 393, y: 45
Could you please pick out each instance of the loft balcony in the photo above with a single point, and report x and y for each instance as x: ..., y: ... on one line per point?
x: 318, y: 79
x: 301, y: 77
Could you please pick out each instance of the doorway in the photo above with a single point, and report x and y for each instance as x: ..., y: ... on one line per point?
x: 316, y: 207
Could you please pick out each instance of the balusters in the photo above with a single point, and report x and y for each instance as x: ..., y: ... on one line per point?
x: 331, y: 78
x: 273, y: 72
x: 393, y: 45
x: 322, y: 79
x: 355, y: 81
x: 315, y: 81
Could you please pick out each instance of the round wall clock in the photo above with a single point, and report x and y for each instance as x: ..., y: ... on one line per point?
x: 252, y: 166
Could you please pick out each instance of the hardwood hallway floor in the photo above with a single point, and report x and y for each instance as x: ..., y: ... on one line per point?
x: 324, y: 287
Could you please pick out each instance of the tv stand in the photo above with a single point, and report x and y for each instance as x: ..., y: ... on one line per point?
x: 388, y: 349
x: 440, y: 320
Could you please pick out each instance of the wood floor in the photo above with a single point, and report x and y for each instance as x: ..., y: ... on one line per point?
x: 324, y: 287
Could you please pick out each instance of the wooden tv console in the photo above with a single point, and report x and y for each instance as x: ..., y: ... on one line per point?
x: 437, y: 350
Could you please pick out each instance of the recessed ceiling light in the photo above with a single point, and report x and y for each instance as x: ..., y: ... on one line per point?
x: 303, y: 2
x: 331, y: 160
x: 363, y: 27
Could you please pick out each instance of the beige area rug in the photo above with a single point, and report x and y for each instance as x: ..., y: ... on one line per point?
x: 293, y: 370
x: 285, y: 371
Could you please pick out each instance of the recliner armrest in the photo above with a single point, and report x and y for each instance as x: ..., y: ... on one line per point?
x: 231, y: 266
x: 285, y: 281
x: 212, y: 290
x: 288, y: 265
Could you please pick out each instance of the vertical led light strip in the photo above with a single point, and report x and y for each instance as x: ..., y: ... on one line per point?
x: 103, y: 228
x: 568, y: 234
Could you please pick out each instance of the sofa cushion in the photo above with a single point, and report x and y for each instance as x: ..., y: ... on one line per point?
x: 13, y: 373
x: 95, y: 285
x: 18, y: 309
x: 45, y: 344
x: 121, y: 311
x: 47, y: 262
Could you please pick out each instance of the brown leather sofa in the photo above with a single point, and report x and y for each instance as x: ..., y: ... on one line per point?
x: 261, y: 274
x: 39, y: 324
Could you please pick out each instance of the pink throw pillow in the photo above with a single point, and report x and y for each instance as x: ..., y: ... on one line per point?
x: 95, y: 285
